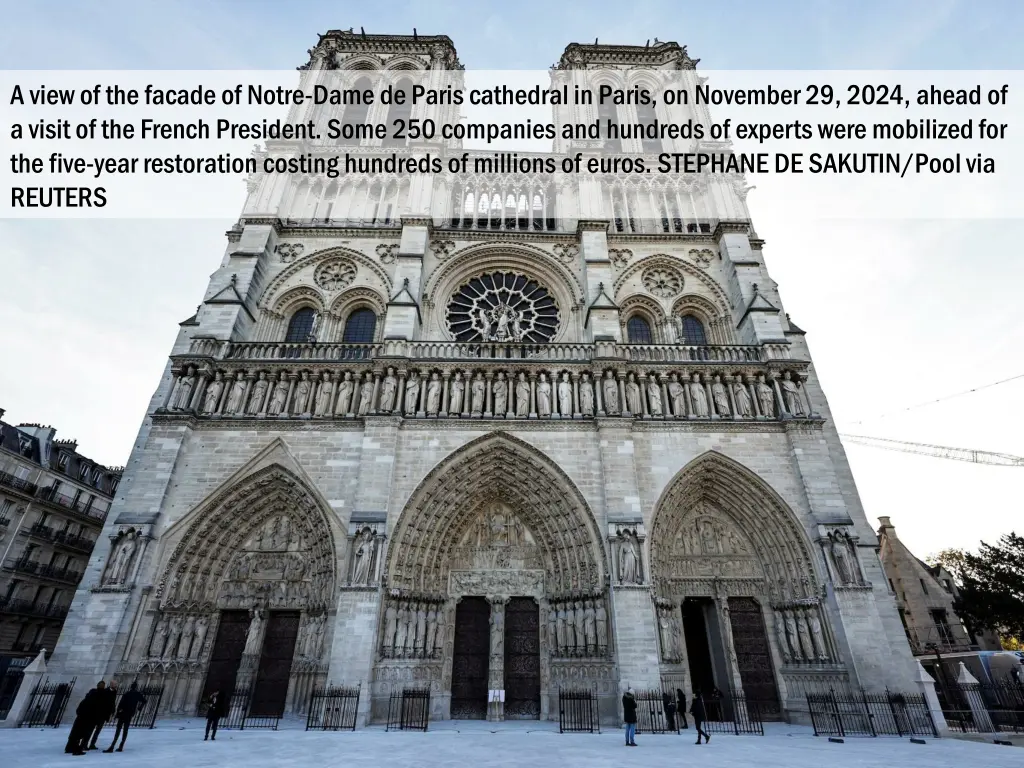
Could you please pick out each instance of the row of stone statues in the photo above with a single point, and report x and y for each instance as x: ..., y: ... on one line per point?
x: 670, y: 631
x: 179, y: 637
x: 578, y: 627
x: 310, y: 644
x: 801, y: 637
x: 491, y: 394
x: 413, y: 629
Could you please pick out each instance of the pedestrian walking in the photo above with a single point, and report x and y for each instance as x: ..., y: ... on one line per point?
x: 681, y: 708
x: 105, y: 710
x: 699, y: 716
x: 218, y: 707
x: 131, y: 703
x: 629, y: 716
x: 85, y: 720
x: 670, y: 710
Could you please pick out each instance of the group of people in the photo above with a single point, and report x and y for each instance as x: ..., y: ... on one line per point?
x: 95, y: 709
x: 673, y: 707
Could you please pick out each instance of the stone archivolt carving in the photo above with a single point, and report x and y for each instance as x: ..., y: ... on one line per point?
x: 413, y: 627
x: 523, y: 582
x: 663, y: 281
x: 334, y: 274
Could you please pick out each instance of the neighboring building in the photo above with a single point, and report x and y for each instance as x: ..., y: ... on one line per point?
x: 924, y: 599
x: 497, y: 433
x: 53, y: 503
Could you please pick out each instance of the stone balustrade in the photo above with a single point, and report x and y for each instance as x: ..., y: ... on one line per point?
x: 504, y: 381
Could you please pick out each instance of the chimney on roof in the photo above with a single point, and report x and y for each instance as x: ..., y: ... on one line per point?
x: 887, y: 525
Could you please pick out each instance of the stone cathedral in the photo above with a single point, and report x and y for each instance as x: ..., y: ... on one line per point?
x: 502, y: 433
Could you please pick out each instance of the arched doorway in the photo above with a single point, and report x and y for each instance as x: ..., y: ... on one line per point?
x: 496, y: 582
x: 737, y: 589
x: 244, y: 599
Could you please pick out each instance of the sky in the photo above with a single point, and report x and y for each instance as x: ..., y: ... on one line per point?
x: 897, y: 312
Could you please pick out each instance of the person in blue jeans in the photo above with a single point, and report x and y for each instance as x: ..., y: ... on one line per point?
x: 629, y: 716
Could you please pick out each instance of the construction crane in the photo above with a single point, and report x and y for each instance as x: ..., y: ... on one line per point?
x: 937, y: 451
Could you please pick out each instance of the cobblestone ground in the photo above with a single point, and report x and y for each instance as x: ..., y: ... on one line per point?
x: 179, y: 744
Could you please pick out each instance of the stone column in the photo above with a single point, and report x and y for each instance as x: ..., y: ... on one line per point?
x: 443, y: 413
x: 467, y: 394
x: 712, y: 411
x: 728, y: 381
x: 173, y: 389
x: 289, y: 404
x: 972, y: 692
x: 780, y: 403
x: 927, y: 685
x: 666, y: 406
x: 496, y: 664
x: 488, y: 394
x: 623, y: 406
x: 533, y: 395
x: 755, y: 404
x: 376, y: 388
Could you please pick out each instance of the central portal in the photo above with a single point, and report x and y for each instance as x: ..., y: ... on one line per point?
x: 522, y: 659
x: 470, y: 659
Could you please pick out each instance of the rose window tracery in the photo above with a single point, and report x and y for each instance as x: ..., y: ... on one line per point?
x: 335, y: 275
x: 503, y: 307
x: 663, y: 281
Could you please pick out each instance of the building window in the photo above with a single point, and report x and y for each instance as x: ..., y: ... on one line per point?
x: 62, y: 461
x: 638, y: 331
x: 361, y: 327
x: 924, y: 587
x: 398, y: 116
x: 607, y: 116
x: 5, y: 509
x: 942, y: 625
x: 650, y: 141
x: 692, y: 331
x: 300, y: 328
x: 948, y: 585
x: 355, y: 114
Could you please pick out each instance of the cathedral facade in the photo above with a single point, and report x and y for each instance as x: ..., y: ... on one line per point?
x: 501, y: 433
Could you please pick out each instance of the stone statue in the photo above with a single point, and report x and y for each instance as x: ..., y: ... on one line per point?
x: 791, y: 394
x: 280, y: 396
x: 259, y: 393
x: 586, y: 396
x: 677, y: 394
x: 666, y: 635
x: 629, y: 562
x: 187, y: 632
x: 301, y: 403
x: 387, y: 392
x: 363, y: 555
x: 698, y: 398
x: 544, y: 396
x: 344, y: 395
x: 202, y: 625
x: 818, y: 636
x: 159, y: 641
x: 497, y: 630
x: 560, y: 630
x: 744, y: 406
x: 552, y: 629
x: 477, y: 390
x: 610, y: 391
x: 458, y: 390
x: 412, y: 394
x: 499, y: 388
x: 633, y: 404
x: 653, y: 395
x: 235, y: 396
x: 323, y: 395
x: 390, y: 626
x: 579, y: 628
x: 431, y: 640
x: 677, y: 639
x: 565, y: 396
x: 522, y: 396
x: 121, y: 559
x: 402, y: 635
x: 254, y: 635
x: 434, y: 395
x: 212, y: 395
x: 366, y: 395
x: 793, y: 637
x: 765, y: 397
x: 805, y: 637
x: 601, y: 620
x: 421, y: 629
x: 846, y: 571
x: 780, y: 631
x: 185, y: 385
x: 173, y: 637
x: 720, y: 396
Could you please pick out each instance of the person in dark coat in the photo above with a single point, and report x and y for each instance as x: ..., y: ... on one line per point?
x: 214, y: 712
x: 670, y: 710
x: 629, y: 716
x: 131, y: 703
x: 104, y: 711
x: 699, y: 716
x: 85, y: 720
x: 681, y: 708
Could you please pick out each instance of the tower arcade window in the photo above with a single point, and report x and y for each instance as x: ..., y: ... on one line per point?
x: 691, y: 331
x: 638, y: 330
x: 398, y: 116
x: 361, y: 327
x: 300, y: 327
x: 647, y: 117
x: 607, y: 115
x: 354, y: 117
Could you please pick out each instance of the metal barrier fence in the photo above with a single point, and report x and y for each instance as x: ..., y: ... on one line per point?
x: 333, y: 708
x: 733, y: 713
x: 577, y: 711
x: 46, y: 706
x: 655, y: 712
x: 870, y: 714
x: 239, y: 717
x: 145, y: 715
x: 409, y: 709
x: 997, y: 707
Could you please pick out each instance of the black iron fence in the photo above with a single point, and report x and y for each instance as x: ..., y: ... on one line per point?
x: 409, y: 709
x: 333, y: 708
x: 734, y: 713
x: 145, y: 715
x: 655, y: 712
x: 983, y: 707
x: 47, y: 704
x: 870, y: 714
x: 577, y: 711
x: 238, y: 715
x: 10, y: 683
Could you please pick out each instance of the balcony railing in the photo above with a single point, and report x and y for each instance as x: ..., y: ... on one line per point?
x: 28, y: 608
x: 35, y: 568
x: 78, y: 543
x: 80, y: 508
x: 18, y: 484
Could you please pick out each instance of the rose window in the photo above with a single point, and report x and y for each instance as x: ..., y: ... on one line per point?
x: 663, y: 282
x: 503, y: 307
x: 334, y: 275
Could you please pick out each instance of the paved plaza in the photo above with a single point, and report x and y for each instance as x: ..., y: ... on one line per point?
x: 179, y: 744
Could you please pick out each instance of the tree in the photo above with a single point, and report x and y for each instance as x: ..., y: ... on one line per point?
x: 991, y: 590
